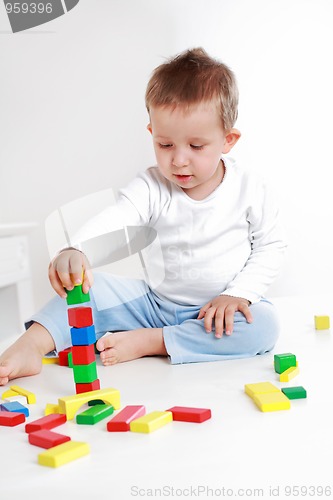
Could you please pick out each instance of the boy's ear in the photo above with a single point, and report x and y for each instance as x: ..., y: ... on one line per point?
x: 230, y: 140
x: 149, y: 127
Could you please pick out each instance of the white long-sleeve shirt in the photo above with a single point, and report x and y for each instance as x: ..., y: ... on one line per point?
x: 228, y: 243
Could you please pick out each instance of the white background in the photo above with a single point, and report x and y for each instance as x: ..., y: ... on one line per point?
x: 72, y: 114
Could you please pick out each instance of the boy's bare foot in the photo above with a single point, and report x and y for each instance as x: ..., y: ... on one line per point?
x: 129, y: 345
x: 24, y: 357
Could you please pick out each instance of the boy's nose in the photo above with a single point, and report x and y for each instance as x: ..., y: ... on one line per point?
x: 180, y: 160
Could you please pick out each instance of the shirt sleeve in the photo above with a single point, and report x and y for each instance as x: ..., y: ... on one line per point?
x: 268, y: 246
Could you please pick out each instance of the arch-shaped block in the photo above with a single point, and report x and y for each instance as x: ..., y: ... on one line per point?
x: 70, y: 404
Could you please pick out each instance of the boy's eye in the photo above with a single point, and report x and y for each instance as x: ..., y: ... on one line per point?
x: 164, y: 146
x: 194, y: 146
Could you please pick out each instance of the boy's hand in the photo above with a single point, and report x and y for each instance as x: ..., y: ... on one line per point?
x: 67, y: 268
x: 222, y: 310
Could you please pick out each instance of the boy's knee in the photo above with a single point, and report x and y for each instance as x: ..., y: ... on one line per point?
x: 265, y: 327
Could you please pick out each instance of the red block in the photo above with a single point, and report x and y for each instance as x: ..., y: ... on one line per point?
x: 121, y: 422
x: 83, y: 354
x: 187, y: 414
x: 47, y: 439
x: 63, y: 356
x: 48, y: 422
x: 80, y: 316
x: 11, y: 418
x: 91, y: 386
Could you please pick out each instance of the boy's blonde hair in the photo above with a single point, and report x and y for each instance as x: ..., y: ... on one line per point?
x: 193, y: 77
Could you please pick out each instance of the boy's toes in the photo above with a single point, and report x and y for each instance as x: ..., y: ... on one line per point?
x: 108, y: 357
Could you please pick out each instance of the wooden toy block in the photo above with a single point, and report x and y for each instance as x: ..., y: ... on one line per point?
x: 30, y: 395
x: 284, y: 361
x: 47, y: 439
x: 9, y: 393
x: 294, y: 392
x: 83, y: 336
x: 50, y: 361
x: 260, y: 388
x: 63, y: 356
x: 289, y: 374
x: 322, y: 322
x: 70, y: 404
x: 94, y: 414
x: 76, y: 296
x: 70, y: 360
x: 83, y: 354
x: 151, y: 422
x: 273, y: 401
x: 92, y: 386
x: 46, y: 423
x: 16, y: 407
x: 121, y: 422
x: 80, y: 316
x: 63, y: 453
x: 188, y: 414
x: 11, y: 418
x: 85, y: 373
x: 51, y: 408
x: 20, y: 399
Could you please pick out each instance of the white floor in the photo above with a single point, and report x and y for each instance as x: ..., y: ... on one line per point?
x: 239, y: 452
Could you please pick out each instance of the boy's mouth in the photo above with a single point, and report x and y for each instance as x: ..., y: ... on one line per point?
x: 183, y: 178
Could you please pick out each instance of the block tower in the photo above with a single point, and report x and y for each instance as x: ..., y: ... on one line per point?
x: 83, y: 341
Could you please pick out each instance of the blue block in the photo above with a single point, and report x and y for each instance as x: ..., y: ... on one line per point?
x: 16, y: 407
x: 83, y: 336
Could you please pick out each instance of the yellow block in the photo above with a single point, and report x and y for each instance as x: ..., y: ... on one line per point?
x: 322, y: 322
x: 50, y: 361
x: 30, y: 395
x: 289, y: 374
x: 51, y: 408
x: 9, y: 393
x: 70, y: 404
x: 63, y: 453
x: 151, y: 422
x: 260, y: 388
x: 273, y: 401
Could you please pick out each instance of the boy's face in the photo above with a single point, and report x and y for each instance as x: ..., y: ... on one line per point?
x: 188, y: 145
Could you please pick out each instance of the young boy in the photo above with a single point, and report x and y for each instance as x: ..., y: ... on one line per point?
x: 218, y: 229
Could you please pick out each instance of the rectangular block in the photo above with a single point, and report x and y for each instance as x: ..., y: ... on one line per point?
x: 273, y: 401
x: 188, y: 414
x: 91, y: 386
x: 294, y: 392
x: 50, y: 361
x: 30, y: 395
x: 151, y: 422
x: 94, y: 414
x: 63, y: 453
x: 284, y: 361
x: 260, y: 388
x: 322, y: 322
x: 51, y: 408
x: 80, y: 316
x: 121, y: 422
x: 11, y: 418
x: 83, y: 336
x: 289, y: 374
x: 47, y: 439
x: 48, y: 422
x: 63, y: 356
x: 85, y: 373
x: 83, y: 354
x: 76, y: 296
x: 16, y: 407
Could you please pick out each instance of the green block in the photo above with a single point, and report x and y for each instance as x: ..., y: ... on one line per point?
x: 294, y: 392
x: 284, y: 361
x: 70, y: 360
x: 94, y: 414
x: 95, y: 402
x: 76, y: 296
x: 84, y: 374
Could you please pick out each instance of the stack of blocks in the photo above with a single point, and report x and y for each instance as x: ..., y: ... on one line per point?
x: 83, y: 358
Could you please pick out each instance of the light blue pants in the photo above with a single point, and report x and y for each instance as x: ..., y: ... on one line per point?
x: 125, y: 304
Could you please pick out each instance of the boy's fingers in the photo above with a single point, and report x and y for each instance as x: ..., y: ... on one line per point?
x: 203, y: 310
x: 244, y: 308
x: 229, y: 321
x: 219, y: 320
x: 209, y: 319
